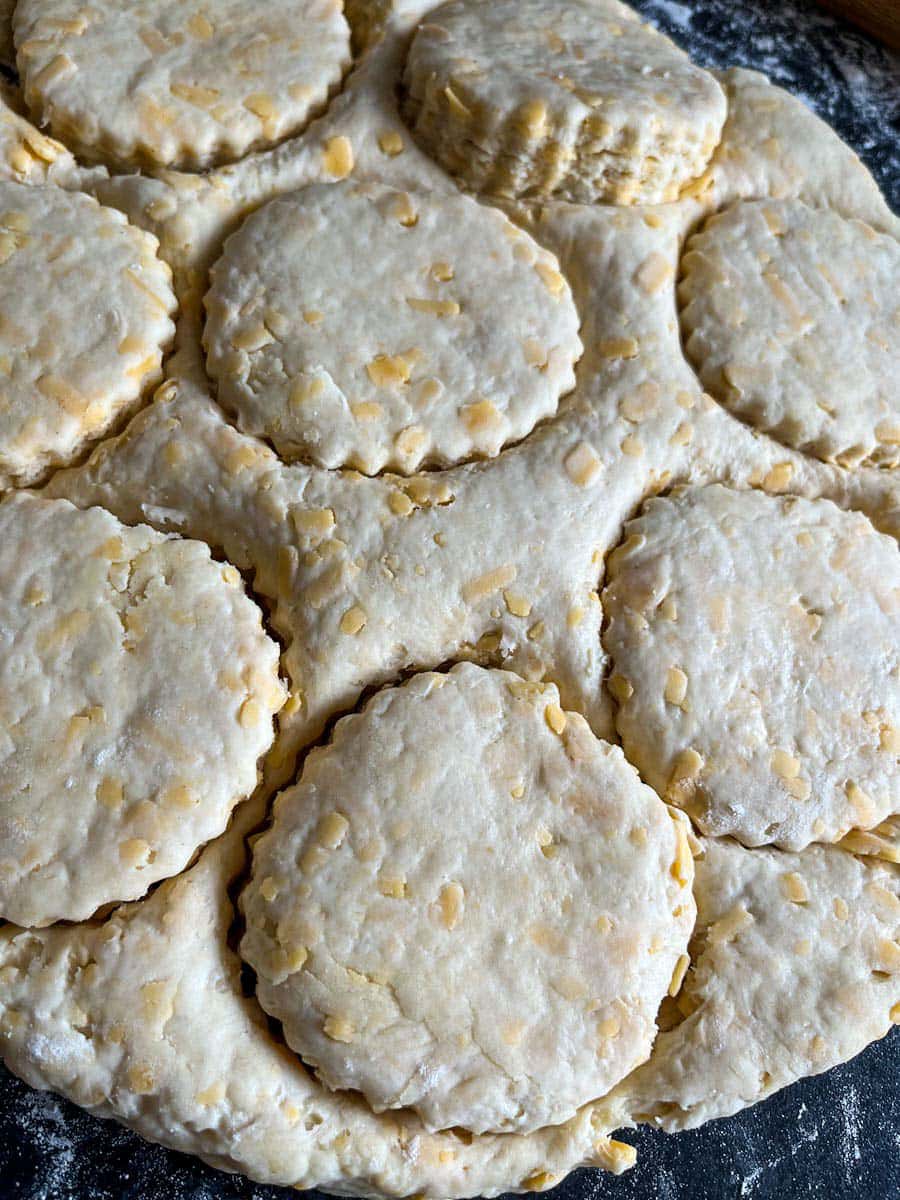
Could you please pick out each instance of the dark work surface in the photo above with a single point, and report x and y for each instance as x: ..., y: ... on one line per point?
x: 835, y: 1137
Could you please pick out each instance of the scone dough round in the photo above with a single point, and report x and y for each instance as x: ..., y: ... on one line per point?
x: 469, y: 906
x: 397, y: 356
x: 137, y: 690
x: 180, y: 83
x: 796, y: 969
x: 85, y: 314
x: 576, y: 100
x: 791, y: 318
x: 755, y: 648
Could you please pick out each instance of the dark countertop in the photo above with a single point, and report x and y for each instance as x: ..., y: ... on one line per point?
x: 834, y: 1137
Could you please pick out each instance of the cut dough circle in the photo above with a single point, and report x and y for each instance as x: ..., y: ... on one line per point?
x: 85, y: 314
x: 576, y: 100
x: 796, y: 969
x: 791, y: 317
x: 179, y: 83
x: 393, y: 357
x: 469, y: 906
x: 180, y: 1054
x: 137, y: 690
x: 755, y: 646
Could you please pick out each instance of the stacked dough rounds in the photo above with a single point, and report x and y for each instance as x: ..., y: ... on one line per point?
x: 791, y: 315
x: 85, y: 314
x: 175, y: 83
x: 396, y: 357
x: 469, y: 906
x: 755, y: 644
x: 576, y: 100
x: 137, y: 689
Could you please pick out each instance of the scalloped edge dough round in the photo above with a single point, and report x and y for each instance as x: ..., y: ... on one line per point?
x: 128, y: 732
x: 529, y: 98
x: 790, y: 317
x: 182, y: 467
x: 755, y: 647
x: 796, y: 968
x: 397, y: 359
x: 469, y: 906
x: 178, y: 1053
x: 68, y: 374
x: 191, y: 88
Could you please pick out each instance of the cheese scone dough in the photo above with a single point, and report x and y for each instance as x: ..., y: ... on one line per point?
x: 178, y: 1052
x: 791, y: 317
x: 211, y: 1079
x: 181, y: 83
x: 469, y: 906
x: 396, y: 356
x: 137, y: 691
x: 755, y: 646
x: 576, y: 100
x: 85, y: 314
x: 796, y: 967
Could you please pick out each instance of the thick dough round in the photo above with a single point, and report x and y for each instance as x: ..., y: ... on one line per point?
x: 796, y: 968
x: 576, y: 100
x: 85, y: 314
x: 469, y: 906
x: 792, y: 318
x: 137, y: 689
x: 143, y: 1018
x: 755, y: 646
x: 394, y: 357
x: 179, y: 83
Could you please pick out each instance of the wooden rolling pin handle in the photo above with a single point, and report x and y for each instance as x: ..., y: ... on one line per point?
x: 880, y: 18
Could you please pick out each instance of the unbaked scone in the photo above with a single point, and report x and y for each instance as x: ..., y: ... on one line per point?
x: 181, y: 83
x: 143, y: 1014
x: 577, y: 100
x: 178, y: 1052
x: 791, y: 317
x: 137, y: 691
x: 469, y: 906
x: 795, y: 968
x: 755, y: 646
x: 394, y: 357
x: 85, y: 314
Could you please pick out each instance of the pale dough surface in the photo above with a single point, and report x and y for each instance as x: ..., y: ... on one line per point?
x: 86, y: 311
x: 754, y: 644
x: 137, y: 690
x: 580, y: 101
x: 393, y: 357
x: 469, y: 906
x: 488, y: 524
x: 177, y: 1052
x: 796, y: 967
x: 430, y: 577
x: 169, y: 83
x: 791, y: 317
